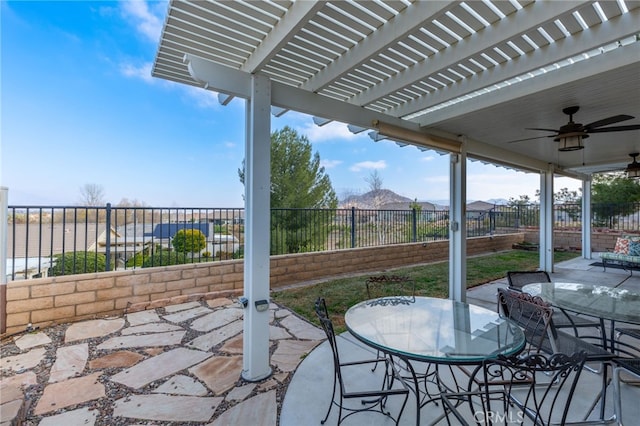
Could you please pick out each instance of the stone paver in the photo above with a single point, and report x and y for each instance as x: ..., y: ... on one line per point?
x: 222, y: 301
x: 70, y: 361
x: 219, y: 373
x: 160, y: 366
x: 187, y: 315
x: 167, y: 408
x: 70, y: 392
x: 289, y: 353
x: 92, y: 328
x: 241, y: 392
x: 32, y: 340
x: 182, y: 385
x: 260, y: 410
x: 181, y: 307
x: 302, y: 329
x: 278, y: 333
x: 217, y: 319
x: 215, y: 337
x: 176, y: 363
x: 23, y: 361
x: 81, y: 416
x: 233, y: 345
x: 155, y: 339
x: 142, y: 317
x: 116, y: 359
x: 156, y: 327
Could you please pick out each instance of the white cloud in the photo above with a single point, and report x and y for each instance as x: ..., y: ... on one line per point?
x: 147, y: 22
x: 333, y: 130
x: 330, y: 164
x: 142, y: 72
x: 368, y: 165
x: 204, y: 98
x: 427, y: 158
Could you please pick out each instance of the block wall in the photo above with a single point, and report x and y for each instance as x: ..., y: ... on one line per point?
x: 45, y: 301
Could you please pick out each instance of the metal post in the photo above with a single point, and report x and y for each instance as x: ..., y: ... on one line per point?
x: 108, y: 240
x: 415, y: 225
x: 4, y: 219
x: 353, y: 227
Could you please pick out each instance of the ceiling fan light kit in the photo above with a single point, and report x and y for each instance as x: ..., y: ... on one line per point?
x: 633, y: 168
x: 571, y: 135
x: 571, y: 142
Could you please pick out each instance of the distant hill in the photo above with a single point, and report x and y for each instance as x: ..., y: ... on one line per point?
x: 373, y: 199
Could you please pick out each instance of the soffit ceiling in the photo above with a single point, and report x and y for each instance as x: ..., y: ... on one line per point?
x: 477, y: 71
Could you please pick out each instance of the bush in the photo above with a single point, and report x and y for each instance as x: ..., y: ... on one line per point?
x: 165, y: 258
x: 78, y: 262
x: 189, y: 241
x: 206, y: 254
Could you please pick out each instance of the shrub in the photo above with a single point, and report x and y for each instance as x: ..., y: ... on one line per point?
x: 78, y: 262
x: 189, y: 241
x: 165, y: 258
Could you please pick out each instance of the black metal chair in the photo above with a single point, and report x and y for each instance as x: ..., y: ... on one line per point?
x: 628, y: 365
x: 535, y: 317
x: 371, y: 400
x: 533, y: 385
x: 518, y: 279
x: 623, y: 347
x: 394, y: 287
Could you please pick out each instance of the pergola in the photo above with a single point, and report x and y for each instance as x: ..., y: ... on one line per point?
x: 462, y: 78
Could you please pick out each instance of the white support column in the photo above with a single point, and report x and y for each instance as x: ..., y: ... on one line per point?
x: 546, y: 220
x: 586, y: 218
x: 4, y: 219
x: 257, y: 185
x: 458, y: 226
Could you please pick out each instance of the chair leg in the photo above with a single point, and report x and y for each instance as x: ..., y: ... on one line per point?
x: 333, y: 395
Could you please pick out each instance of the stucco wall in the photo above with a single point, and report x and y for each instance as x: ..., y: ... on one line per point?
x: 44, y: 301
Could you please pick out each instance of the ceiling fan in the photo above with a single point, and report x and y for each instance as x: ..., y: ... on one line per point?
x: 571, y: 134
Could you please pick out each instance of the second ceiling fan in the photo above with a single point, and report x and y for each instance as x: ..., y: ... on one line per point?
x: 571, y: 134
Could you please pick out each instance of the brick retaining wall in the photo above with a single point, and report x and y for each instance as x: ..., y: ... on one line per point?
x: 600, y: 241
x: 44, y: 301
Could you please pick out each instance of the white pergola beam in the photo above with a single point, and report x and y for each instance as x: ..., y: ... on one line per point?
x: 238, y: 83
x: 585, y: 41
x: 296, y: 17
x: 602, y: 63
x: 507, y: 28
x: 407, y: 22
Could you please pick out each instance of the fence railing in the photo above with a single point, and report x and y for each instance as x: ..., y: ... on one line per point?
x: 62, y: 240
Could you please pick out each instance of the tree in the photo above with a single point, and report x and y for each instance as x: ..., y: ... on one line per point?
x: 92, y: 195
x: 297, y: 182
x: 613, y: 195
x: 189, y: 241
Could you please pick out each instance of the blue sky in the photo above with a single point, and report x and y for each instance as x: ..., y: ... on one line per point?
x: 79, y: 106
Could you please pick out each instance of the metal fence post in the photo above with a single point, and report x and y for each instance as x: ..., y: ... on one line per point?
x: 414, y: 229
x: 108, y: 239
x: 353, y: 227
x: 4, y: 220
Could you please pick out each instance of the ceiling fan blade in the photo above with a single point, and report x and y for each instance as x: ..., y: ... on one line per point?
x: 615, y: 129
x: 607, y: 121
x: 529, y: 139
x: 546, y: 130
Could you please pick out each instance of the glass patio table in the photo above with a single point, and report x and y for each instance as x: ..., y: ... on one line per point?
x: 434, y: 331
x: 605, y: 303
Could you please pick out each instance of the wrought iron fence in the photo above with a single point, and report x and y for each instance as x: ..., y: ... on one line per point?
x: 61, y: 240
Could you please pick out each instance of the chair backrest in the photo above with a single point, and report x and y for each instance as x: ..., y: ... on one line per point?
x: 327, y: 326
x: 518, y: 279
x: 531, y: 313
x: 540, y: 387
x: 390, y: 286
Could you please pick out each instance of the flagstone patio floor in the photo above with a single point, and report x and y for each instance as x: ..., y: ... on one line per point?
x: 179, y: 364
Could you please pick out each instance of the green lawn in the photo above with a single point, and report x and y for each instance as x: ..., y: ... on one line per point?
x: 431, y: 280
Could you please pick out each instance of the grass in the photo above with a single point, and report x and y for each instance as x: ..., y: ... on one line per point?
x: 431, y: 280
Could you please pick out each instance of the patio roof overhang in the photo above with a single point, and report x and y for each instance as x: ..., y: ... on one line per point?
x: 458, y: 77
x: 481, y: 71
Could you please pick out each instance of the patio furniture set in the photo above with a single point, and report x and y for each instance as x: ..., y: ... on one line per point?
x: 520, y: 364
